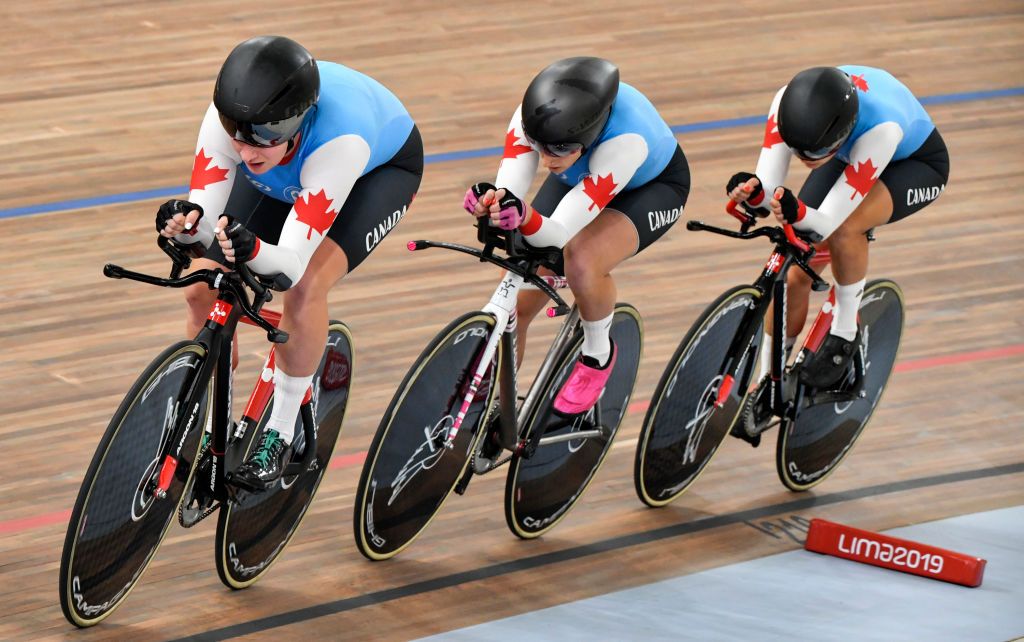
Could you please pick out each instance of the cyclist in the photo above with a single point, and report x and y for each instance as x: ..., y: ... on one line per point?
x: 876, y: 158
x: 618, y: 181
x: 302, y: 168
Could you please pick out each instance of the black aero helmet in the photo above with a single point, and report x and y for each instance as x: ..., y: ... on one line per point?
x: 264, y: 90
x: 817, y: 112
x: 567, y: 105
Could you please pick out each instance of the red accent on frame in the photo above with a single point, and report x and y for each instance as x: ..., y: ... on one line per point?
x: 822, y: 323
x: 261, y: 393
x: 774, y: 263
x: 893, y: 553
x: 219, y: 312
x: 273, y: 317
x: 167, y: 473
x: 724, y: 390
x: 821, y: 257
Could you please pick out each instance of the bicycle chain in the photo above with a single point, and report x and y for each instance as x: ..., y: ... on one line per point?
x: 181, y: 505
x: 496, y: 464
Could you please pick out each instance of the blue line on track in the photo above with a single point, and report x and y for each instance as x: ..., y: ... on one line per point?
x: 163, y: 192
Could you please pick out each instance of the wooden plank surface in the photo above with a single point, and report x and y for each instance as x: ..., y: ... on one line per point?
x: 106, y: 98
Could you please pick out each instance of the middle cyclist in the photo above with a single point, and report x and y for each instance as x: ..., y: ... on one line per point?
x: 618, y: 182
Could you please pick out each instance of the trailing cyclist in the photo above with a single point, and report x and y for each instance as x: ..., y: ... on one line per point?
x: 876, y: 158
x: 293, y: 151
x: 618, y: 181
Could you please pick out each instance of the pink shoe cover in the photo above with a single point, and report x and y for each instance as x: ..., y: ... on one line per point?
x: 584, y: 386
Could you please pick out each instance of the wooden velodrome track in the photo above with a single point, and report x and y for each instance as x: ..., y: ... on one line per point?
x: 100, y: 99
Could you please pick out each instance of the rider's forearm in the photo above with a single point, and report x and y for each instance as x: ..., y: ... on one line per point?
x: 213, y: 174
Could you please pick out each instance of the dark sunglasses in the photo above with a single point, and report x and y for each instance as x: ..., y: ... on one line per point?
x: 560, y: 150
x: 263, y: 134
x: 818, y: 154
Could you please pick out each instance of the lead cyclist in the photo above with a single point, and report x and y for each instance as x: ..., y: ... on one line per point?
x: 301, y: 167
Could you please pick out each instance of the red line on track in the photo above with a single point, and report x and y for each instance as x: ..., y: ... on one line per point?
x: 354, y: 459
x: 38, y: 521
x: 960, y: 357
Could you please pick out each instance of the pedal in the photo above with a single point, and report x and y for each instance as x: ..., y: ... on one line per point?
x: 463, y: 483
x: 234, y: 485
x: 740, y: 433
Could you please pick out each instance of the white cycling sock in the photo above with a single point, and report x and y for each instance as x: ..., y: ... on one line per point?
x: 288, y: 394
x: 596, y: 342
x: 844, y: 317
x: 765, y: 364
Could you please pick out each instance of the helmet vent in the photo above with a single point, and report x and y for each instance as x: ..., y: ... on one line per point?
x: 279, y: 95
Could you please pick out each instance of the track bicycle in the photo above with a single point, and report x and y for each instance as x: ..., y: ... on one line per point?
x: 456, y: 413
x: 171, y: 447
x: 704, y: 394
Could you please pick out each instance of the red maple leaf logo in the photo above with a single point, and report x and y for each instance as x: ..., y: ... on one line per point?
x: 862, y: 178
x: 203, y: 173
x: 512, y: 146
x: 599, y: 190
x: 859, y: 82
x: 315, y: 212
x: 772, y: 136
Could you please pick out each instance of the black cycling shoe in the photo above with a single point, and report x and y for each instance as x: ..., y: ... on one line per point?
x: 825, y: 368
x: 265, y: 464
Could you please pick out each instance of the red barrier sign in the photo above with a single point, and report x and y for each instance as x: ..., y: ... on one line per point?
x: 894, y: 553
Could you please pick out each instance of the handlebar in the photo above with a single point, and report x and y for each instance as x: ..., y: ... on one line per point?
x: 235, y: 282
x: 748, y: 220
x: 786, y: 236
x: 520, y: 258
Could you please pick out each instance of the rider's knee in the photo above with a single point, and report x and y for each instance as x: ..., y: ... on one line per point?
x: 310, y: 288
x: 580, y: 263
x: 199, y: 298
x: 847, y: 236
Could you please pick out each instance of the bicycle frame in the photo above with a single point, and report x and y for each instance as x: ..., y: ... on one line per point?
x: 216, y: 336
x: 789, y: 250
x: 520, y: 273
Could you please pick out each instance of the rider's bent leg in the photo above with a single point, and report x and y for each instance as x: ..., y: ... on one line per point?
x: 304, y: 317
x: 849, y: 248
x: 589, y: 259
x: 528, y: 305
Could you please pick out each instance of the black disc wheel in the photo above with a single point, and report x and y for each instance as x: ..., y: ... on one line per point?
x: 252, y: 533
x: 118, y: 523
x: 409, y: 472
x: 683, y: 429
x: 541, y: 489
x: 813, y: 445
